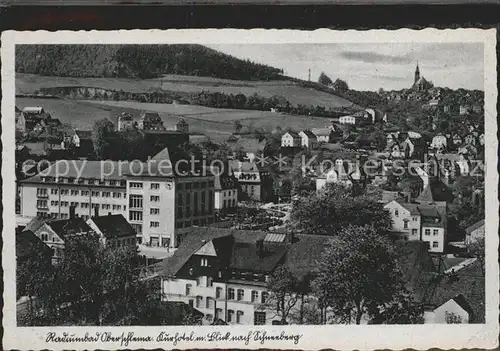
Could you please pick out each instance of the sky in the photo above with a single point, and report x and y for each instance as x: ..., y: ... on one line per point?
x: 389, y: 66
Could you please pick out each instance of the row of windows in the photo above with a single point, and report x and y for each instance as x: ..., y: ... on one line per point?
x: 229, y: 203
x: 434, y: 232
x: 115, y: 195
x: 229, y: 193
x: 240, y: 293
x: 41, y: 203
x: 87, y: 205
x: 85, y: 181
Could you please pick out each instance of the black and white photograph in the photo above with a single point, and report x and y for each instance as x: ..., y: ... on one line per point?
x: 256, y: 189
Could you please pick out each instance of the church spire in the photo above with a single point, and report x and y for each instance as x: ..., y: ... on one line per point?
x: 417, y: 73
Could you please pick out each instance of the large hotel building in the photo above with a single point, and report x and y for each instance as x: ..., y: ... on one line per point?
x: 158, y: 203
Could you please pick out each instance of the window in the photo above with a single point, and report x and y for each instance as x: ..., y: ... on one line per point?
x: 154, y: 224
x: 154, y: 211
x: 255, y: 295
x: 405, y: 224
x: 204, y: 262
x: 188, y: 289
x: 218, y: 313
x: 396, y: 213
x: 135, y: 201
x: 218, y: 293
x: 135, y: 215
x: 209, y: 282
x: 53, y: 191
x: 41, y: 203
x: 95, y: 193
x: 414, y: 219
x: 435, y: 244
x: 414, y: 231
x: 435, y: 232
x: 85, y: 193
x: 154, y: 198
x: 74, y: 192
x: 136, y: 185
x: 241, y: 294
x: 239, y: 316
x: 45, y: 237
x: 106, y: 194
x: 264, y: 296
x: 155, y: 186
x: 259, y: 318
x: 210, y: 302
x: 195, y: 200
x: 230, y: 316
x: 427, y: 232
x: 230, y: 294
x: 199, y: 300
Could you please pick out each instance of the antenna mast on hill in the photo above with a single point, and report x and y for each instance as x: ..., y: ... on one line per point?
x: 309, y: 76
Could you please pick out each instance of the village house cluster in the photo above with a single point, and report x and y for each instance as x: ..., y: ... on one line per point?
x: 223, y: 272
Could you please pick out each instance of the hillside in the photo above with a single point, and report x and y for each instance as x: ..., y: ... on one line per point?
x: 137, y: 61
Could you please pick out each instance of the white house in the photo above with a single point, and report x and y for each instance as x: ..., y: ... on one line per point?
x: 453, y: 311
x: 348, y: 120
x: 344, y: 173
x: 114, y: 230
x: 291, y: 139
x: 308, y: 139
x: 474, y: 232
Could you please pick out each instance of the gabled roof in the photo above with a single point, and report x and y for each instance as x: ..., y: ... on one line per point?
x: 67, y: 227
x: 28, y: 244
x: 114, y: 226
x: 425, y: 195
x: 293, y: 134
x: 309, y: 134
x: 244, y: 257
x: 474, y: 226
x: 35, y: 224
x: 321, y: 131
x: 33, y: 110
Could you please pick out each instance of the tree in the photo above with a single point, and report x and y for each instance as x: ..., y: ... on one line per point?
x: 357, y: 274
x: 102, y: 136
x: 324, y: 79
x: 282, y: 288
x: 452, y: 318
x: 477, y: 249
x: 328, y: 211
x: 340, y: 86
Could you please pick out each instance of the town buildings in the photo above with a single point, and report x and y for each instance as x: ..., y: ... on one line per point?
x: 308, y: 139
x: 224, y: 273
x: 254, y: 181
x: 114, y: 230
x: 291, y: 139
x: 329, y: 134
x: 158, y: 202
x: 151, y: 121
x: 225, y: 189
x: 474, y: 232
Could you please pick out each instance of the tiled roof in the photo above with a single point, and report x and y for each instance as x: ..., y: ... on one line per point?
x: 474, y: 226
x: 66, y: 227
x: 244, y: 256
x: 89, y: 170
x: 151, y: 117
x: 309, y: 134
x: 436, y: 289
x: 293, y: 134
x: 28, y: 244
x: 114, y: 226
x: 321, y: 131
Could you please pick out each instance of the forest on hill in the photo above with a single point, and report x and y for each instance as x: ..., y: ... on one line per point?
x: 137, y: 61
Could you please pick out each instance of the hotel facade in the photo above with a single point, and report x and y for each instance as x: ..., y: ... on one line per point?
x: 159, y: 207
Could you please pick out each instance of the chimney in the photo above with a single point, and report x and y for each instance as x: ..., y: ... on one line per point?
x: 96, y: 211
x: 72, y: 209
x: 260, y: 247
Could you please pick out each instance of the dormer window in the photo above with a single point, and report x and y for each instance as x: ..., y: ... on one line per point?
x: 204, y: 262
x: 396, y: 213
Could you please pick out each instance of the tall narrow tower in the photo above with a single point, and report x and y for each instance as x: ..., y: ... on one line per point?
x: 417, y: 74
x: 309, y: 77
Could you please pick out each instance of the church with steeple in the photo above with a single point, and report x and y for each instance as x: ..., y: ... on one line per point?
x: 420, y: 83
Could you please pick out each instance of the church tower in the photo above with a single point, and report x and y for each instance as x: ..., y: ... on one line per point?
x: 417, y: 74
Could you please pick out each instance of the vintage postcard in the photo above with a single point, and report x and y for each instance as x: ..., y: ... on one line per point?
x: 250, y: 189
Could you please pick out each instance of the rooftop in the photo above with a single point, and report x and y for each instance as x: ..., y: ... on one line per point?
x: 28, y: 244
x: 114, y: 226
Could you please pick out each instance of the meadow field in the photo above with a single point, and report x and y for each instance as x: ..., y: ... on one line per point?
x: 295, y: 94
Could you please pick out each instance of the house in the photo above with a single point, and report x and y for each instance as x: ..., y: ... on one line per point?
x: 54, y: 233
x: 330, y: 134
x: 114, y: 230
x: 453, y: 298
x: 225, y: 189
x: 439, y: 143
x: 151, y: 121
x: 308, y: 139
x: 477, y: 109
x: 125, y: 121
x: 29, y: 246
x: 223, y: 273
x: 421, y: 220
x: 406, y: 145
x: 349, y: 120
x: 254, y: 182
x: 35, y: 117
x: 474, y: 232
x: 290, y: 139
x: 344, y: 172
x: 20, y: 121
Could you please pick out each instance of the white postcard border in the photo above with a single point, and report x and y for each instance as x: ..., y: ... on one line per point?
x: 314, y: 337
